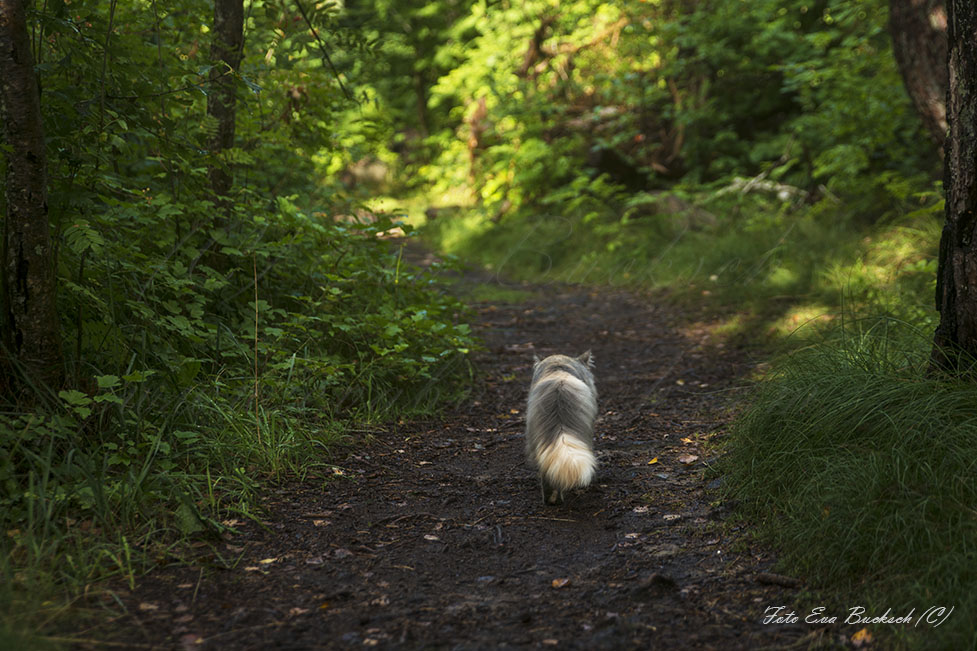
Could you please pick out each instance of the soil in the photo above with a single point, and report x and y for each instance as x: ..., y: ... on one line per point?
x: 434, y: 535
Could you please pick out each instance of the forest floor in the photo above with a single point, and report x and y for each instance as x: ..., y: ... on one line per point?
x: 434, y: 534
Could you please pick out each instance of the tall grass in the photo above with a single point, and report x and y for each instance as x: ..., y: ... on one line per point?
x: 860, y: 468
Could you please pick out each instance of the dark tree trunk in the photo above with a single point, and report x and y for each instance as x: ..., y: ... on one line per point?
x: 918, y: 29
x: 31, y: 333
x: 955, y: 342
x: 225, y: 55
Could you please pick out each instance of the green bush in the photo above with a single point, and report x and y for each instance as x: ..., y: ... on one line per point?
x: 664, y: 85
x: 212, y: 344
x: 176, y: 392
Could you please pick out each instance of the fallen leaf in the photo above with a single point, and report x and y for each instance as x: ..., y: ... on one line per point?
x: 265, y: 561
x: 560, y: 583
x: 234, y: 549
x: 861, y: 638
x: 655, y: 460
x: 185, y: 586
x: 550, y: 642
x: 315, y: 560
x: 680, y: 382
x: 324, y: 605
x: 687, y: 440
x: 183, y: 619
x: 430, y: 536
x: 190, y: 640
x: 321, y: 523
x: 146, y: 606
x: 640, y: 509
x: 670, y: 517
x: 631, y: 536
x: 688, y: 458
x: 297, y: 611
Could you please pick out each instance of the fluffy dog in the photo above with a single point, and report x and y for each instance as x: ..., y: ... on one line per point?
x: 560, y: 423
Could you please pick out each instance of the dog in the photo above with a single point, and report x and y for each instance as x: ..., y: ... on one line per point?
x: 560, y: 418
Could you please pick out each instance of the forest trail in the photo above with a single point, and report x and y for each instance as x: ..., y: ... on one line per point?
x: 434, y: 535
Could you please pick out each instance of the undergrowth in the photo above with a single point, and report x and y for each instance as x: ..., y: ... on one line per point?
x: 198, y: 378
x: 860, y: 467
x: 780, y: 264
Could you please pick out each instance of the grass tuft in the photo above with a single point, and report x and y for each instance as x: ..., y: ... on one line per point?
x: 861, y: 469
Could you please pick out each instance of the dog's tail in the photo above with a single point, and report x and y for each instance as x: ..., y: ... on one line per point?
x: 566, y: 462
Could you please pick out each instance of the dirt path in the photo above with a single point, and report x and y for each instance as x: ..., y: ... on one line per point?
x: 435, y: 535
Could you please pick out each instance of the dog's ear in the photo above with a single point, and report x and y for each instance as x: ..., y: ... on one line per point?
x: 536, y: 360
x: 587, y: 359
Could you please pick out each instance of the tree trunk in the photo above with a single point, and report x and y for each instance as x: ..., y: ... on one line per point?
x: 955, y: 341
x: 225, y: 54
x: 918, y: 29
x: 32, y: 330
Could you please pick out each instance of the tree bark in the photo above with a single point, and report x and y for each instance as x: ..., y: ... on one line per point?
x: 919, y: 42
x: 31, y: 334
x: 225, y: 54
x: 955, y: 341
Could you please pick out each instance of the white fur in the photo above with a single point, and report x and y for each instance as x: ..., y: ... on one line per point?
x: 568, y: 463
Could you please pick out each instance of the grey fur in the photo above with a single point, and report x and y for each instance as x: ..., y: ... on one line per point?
x: 559, y: 404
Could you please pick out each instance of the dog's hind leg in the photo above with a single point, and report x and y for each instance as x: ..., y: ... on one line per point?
x: 551, y: 494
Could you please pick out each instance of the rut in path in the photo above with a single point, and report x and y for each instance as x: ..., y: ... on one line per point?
x: 436, y: 536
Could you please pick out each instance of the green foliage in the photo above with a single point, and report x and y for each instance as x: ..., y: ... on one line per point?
x: 859, y: 466
x: 780, y: 263
x: 761, y: 152
x: 780, y: 157
x: 664, y: 86
x: 212, y: 343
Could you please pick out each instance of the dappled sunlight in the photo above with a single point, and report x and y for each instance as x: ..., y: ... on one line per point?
x: 222, y: 199
x: 782, y: 278
x: 802, y: 322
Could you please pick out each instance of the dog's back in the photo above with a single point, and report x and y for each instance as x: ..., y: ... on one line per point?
x: 560, y: 423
